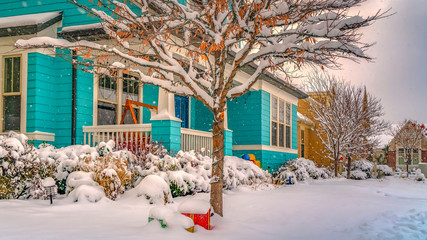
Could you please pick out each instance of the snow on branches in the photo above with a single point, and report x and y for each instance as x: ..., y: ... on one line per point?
x: 187, y: 48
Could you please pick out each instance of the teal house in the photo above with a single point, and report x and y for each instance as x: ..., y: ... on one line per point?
x: 44, y: 96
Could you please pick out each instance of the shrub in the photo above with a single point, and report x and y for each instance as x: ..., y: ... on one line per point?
x: 385, y: 170
x: 21, y: 170
x: 303, y: 169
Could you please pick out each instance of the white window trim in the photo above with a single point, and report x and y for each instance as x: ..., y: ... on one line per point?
x: 285, y: 125
x: 119, y: 98
x: 22, y: 88
x: 412, y: 159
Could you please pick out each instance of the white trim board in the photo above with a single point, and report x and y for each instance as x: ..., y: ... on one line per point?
x: 265, y: 148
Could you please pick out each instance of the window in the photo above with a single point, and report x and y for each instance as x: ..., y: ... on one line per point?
x: 402, y: 156
x: 302, y: 143
x: 110, y: 91
x: 11, y: 94
x: 280, y: 123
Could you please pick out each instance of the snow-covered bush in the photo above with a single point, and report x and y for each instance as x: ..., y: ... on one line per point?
x: 87, y: 193
x: 21, y: 170
x: 419, y: 176
x: 154, y: 189
x: 79, y: 178
x: 358, y: 174
x: 242, y: 172
x: 109, y: 172
x: 362, y: 165
x: 385, y: 170
x: 303, y: 169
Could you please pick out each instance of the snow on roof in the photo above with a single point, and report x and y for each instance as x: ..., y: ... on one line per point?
x: 194, y: 206
x: 82, y: 27
x: 304, y: 118
x: 26, y: 20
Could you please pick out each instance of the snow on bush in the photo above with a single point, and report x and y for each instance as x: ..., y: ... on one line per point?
x: 362, y: 165
x: 358, y: 174
x: 242, y: 172
x: 154, y: 189
x: 21, y: 170
x: 79, y: 178
x: 302, y: 169
x: 385, y: 170
x: 87, y: 193
x: 419, y: 176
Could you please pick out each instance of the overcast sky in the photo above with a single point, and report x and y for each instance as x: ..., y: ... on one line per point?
x: 398, y: 75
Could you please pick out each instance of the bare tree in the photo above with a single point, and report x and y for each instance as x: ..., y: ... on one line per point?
x: 198, y: 49
x: 408, y: 135
x: 348, y: 118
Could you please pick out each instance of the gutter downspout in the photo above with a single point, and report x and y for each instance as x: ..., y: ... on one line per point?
x: 73, y: 98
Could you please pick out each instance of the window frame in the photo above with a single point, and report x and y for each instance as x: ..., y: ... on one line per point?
x: 20, y: 93
x: 404, y: 156
x: 286, y: 144
x: 119, y: 98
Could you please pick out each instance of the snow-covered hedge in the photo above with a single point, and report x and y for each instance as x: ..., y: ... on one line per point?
x: 302, y: 169
x: 364, y: 169
x: 21, y: 170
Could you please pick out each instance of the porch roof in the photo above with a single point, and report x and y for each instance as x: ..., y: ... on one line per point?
x: 28, y: 24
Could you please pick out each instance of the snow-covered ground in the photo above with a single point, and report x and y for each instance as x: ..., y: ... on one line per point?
x: 323, y: 209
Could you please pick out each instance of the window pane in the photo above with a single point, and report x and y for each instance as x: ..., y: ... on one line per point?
x: 16, y: 74
x: 302, y: 151
x: 302, y: 136
x: 415, y: 157
x: 106, y: 113
x: 288, y: 136
x: 288, y: 113
x: 108, y: 89
x: 130, y: 88
x: 281, y: 111
x: 128, y: 117
x: 281, y: 135
x: 273, y: 133
x: 12, y: 113
x: 7, y: 75
x: 401, y: 156
x: 274, y: 108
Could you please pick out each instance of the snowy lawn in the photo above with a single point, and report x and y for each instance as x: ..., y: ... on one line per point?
x: 325, y: 209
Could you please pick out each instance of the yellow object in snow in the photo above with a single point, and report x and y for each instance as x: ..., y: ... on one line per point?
x: 252, y: 157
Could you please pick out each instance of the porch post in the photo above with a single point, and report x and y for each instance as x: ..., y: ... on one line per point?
x: 165, y: 127
x: 228, y: 136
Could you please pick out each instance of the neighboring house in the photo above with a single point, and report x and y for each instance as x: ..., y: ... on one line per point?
x: 397, y: 155
x: 313, y: 146
x: 305, y: 130
x: 44, y: 96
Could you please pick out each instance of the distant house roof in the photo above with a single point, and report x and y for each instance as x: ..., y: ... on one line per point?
x: 28, y: 24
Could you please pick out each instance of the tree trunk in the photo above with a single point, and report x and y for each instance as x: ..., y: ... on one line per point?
x: 407, y: 163
x: 217, y: 164
x: 348, y: 166
x: 336, y: 167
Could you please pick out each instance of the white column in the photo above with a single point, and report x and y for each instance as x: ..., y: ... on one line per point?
x: 166, y: 106
x: 226, y: 117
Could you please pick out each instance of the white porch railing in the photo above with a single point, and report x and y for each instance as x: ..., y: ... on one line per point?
x: 130, y: 136
x: 196, y: 140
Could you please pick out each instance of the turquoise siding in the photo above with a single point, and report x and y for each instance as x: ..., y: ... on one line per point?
x: 72, y: 15
x: 41, y: 99
x: 49, y: 86
x: 193, y: 113
x: 84, y: 103
x: 270, y: 160
x: 150, y: 96
x: 203, y: 117
x: 168, y: 132
x: 249, y: 118
x: 294, y: 127
x: 228, y: 144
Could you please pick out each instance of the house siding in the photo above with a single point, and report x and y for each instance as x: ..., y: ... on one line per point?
x: 150, y: 96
